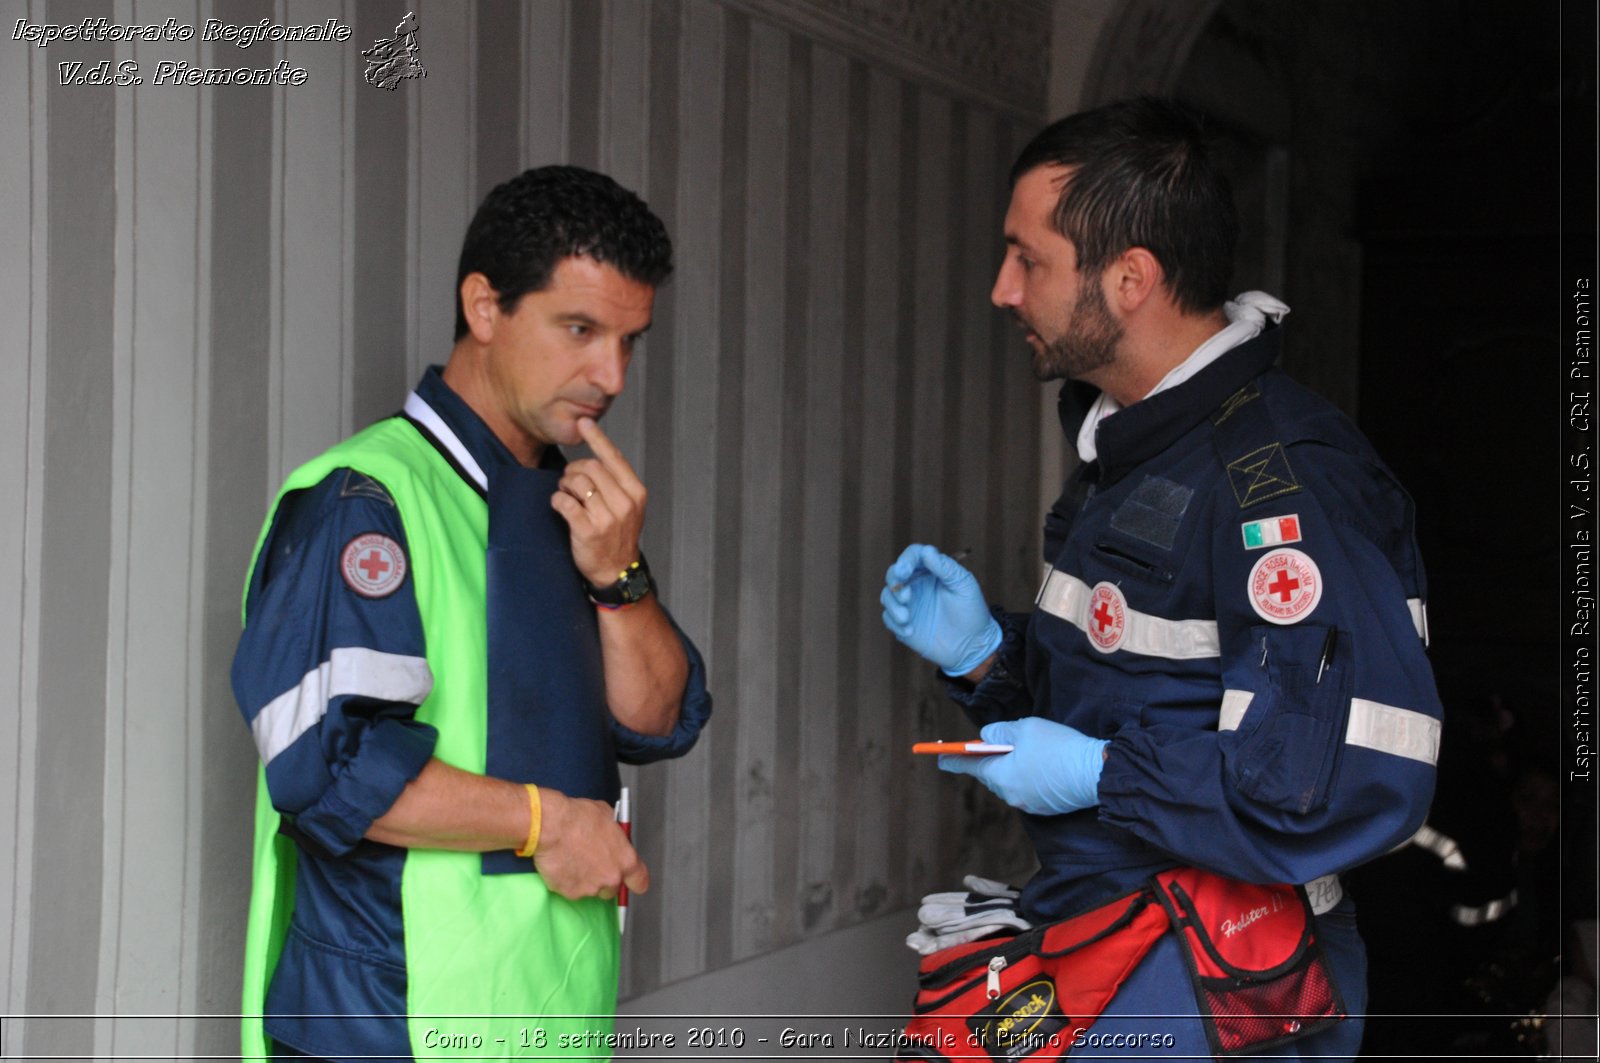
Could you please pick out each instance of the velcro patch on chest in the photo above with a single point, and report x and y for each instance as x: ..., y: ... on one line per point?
x: 1262, y: 474
x: 1153, y: 511
x: 373, y: 565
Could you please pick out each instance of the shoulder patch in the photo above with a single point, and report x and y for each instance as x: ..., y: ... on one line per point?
x: 373, y: 565
x: 1285, y: 586
x: 360, y: 485
x: 1262, y: 474
x: 1273, y: 531
x: 1234, y: 401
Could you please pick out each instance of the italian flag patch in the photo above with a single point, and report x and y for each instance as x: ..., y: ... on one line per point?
x: 1274, y: 532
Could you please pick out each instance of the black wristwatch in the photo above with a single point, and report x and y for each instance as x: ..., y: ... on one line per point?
x: 633, y: 583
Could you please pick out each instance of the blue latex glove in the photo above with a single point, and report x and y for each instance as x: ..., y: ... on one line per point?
x: 1054, y: 769
x: 938, y: 610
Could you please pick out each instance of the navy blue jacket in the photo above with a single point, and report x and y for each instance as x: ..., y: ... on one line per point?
x: 1235, y: 601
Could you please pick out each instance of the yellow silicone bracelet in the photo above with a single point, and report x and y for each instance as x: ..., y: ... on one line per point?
x: 534, y: 817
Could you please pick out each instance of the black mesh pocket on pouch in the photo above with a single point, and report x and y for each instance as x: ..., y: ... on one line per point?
x: 1250, y: 1016
x: 1253, y: 992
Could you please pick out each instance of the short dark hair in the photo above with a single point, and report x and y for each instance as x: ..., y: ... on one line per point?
x: 527, y: 225
x: 1143, y: 177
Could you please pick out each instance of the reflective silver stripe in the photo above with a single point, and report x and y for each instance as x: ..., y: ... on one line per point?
x: 1401, y: 732
x: 1419, y: 617
x: 1234, y: 704
x: 352, y: 670
x: 1067, y: 597
x: 1324, y: 893
x: 1440, y: 845
x: 418, y: 410
x: 1486, y: 913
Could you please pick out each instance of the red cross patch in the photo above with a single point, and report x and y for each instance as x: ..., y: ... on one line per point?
x: 373, y: 565
x: 1285, y: 586
x: 1108, y: 617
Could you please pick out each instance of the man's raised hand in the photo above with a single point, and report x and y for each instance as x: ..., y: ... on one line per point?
x: 602, y: 500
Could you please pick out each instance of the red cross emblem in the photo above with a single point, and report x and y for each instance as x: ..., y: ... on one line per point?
x: 1108, y: 617
x: 1285, y: 586
x: 373, y: 565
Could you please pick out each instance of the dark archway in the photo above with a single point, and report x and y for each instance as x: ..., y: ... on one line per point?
x: 1397, y: 167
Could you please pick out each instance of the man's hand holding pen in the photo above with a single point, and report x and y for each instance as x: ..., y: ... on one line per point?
x: 583, y: 852
x: 1052, y: 768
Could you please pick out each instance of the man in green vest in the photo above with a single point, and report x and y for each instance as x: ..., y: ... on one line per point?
x: 451, y: 638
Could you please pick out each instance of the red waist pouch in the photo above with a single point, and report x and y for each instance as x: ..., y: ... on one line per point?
x: 1027, y: 996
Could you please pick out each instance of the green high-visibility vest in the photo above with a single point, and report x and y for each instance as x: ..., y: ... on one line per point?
x: 497, y: 966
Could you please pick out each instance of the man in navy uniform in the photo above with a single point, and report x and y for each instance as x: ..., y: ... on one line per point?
x: 1224, y: 668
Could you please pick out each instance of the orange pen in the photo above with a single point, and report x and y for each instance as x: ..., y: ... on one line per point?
x: 968, y: 749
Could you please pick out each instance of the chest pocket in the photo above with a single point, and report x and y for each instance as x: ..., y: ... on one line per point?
x: 1289, y: 735
x: 1131, y: 560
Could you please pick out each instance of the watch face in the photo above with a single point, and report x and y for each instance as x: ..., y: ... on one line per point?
x: 635, y: 584
x: 631, y: 586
